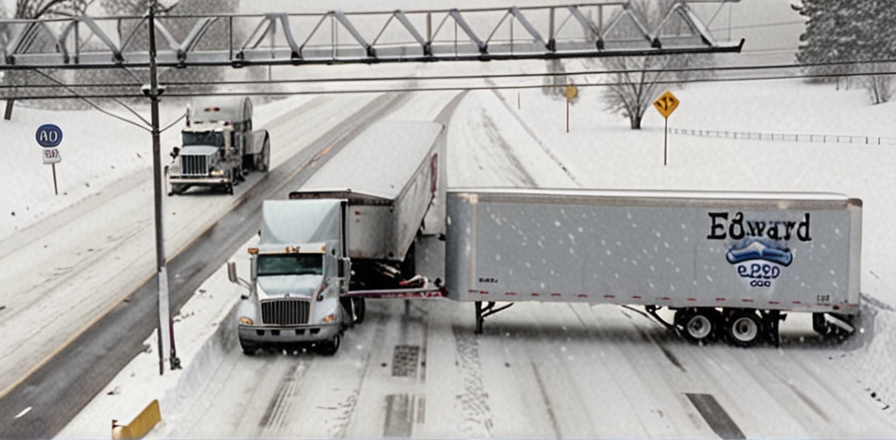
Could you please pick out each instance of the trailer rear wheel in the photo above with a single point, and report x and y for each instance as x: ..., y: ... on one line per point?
x: 698, y: 325
x: 744, y: 328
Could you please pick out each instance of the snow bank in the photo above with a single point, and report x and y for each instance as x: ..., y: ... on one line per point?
x: 876, y: 359
x: 203, y: 335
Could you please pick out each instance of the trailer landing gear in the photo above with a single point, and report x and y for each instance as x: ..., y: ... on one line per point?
x: 488, y: 310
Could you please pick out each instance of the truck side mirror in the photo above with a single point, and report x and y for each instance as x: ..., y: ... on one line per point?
x: 231, y: 272
x: 174, y: 152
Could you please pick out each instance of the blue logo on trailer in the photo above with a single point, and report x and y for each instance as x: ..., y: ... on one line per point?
x: 759, y: 249
x: 759, y: 261
x: 48, y: 135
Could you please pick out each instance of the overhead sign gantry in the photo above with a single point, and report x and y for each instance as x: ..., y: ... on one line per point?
x: 586, y: 30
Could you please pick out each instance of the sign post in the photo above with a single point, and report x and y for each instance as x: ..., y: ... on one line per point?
x: 49, y: 136
x: 570, y: 93
x: 666, y: 104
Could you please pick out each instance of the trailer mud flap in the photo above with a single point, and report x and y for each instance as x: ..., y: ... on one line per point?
x: 833, y: 325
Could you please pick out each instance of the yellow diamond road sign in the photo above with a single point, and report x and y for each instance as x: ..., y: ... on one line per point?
x: 571, y: 92
x: 666, y: 104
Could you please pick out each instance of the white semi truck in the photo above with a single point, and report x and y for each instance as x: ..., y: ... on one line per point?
x: 727, y: 263
x: 219, y: 146
x: 348, y: 233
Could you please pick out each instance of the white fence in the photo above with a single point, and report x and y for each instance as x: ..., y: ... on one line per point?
x: 789, y: 137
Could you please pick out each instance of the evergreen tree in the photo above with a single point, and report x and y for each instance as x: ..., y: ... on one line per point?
x: 849, y: 37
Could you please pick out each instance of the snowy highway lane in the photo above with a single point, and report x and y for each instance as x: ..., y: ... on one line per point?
x: 63, y: 273
x: 64, y: 347
x: 538, y: 371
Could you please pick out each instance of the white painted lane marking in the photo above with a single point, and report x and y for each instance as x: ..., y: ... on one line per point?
x: 24, y: 411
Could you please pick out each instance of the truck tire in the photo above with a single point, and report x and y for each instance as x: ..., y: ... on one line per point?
x: 248, y: 348
x: 698, y: 325
x: 178, y: 189
x: 744, y: 328
x: 329, y: 348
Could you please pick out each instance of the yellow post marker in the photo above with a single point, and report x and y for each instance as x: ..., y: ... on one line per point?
x: 666, y: 104
x: 570, y: 92
x: 141, y: 425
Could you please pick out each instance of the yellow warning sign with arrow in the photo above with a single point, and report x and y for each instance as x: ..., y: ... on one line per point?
x: 666, y: 104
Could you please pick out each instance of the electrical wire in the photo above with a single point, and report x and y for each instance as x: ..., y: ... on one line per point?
x: 454, y: 88
x: 714, y: 69
x: 100, y: 109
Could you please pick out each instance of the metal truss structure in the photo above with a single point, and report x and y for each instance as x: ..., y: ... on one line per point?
x: 590, y: 30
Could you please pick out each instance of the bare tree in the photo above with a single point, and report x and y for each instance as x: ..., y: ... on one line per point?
x: 34, y: 9
x: 877, y: 83
x: 634, y: 86
x: 40, y: 8
x: 635, y: 82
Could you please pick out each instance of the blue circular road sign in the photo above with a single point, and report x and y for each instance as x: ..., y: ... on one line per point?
x: 48, y: 135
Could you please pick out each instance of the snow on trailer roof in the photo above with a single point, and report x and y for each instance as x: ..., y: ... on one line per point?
x: 380, y: 161
x: 662, y: 197
x: 220, y: 108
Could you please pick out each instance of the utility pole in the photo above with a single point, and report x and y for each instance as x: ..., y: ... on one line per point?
x: 166, y: 330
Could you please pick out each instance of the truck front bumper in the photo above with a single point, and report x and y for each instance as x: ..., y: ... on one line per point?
x: 280, y: 335
x: 184, y: 180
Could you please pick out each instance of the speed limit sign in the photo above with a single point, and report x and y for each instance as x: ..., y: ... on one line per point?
x: 49, y: 136
x: 51, y: 155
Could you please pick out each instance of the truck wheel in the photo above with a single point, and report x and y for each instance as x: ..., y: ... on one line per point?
x: 329, y: 348
x: 177, y: 189
x: 248, y: 348
x: 744, y: 328
x: 698, y: 325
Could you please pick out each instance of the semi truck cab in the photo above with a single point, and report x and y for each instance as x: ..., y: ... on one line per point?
x: 293, y: 297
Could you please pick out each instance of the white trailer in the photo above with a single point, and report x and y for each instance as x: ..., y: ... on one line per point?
x: 727, y: 263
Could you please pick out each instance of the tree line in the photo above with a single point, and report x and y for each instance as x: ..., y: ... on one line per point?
x: 845, y: 38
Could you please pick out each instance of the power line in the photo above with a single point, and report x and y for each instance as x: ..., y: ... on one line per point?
x: 715, y: 69
x: 457, y: 88
x: 755, y: 26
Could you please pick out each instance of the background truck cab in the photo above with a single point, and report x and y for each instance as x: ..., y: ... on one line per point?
x: 218, y: 146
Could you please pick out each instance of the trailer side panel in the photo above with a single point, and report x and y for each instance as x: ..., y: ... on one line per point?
x: 796, y: 252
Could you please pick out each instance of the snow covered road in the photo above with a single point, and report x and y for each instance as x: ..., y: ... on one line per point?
x: 416, y: 369
x: 64, y: 279
x: 538, y: 371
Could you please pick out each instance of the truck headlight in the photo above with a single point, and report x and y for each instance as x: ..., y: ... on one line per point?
x: 329, y: 318
x: 217, y: 173
x: 248, y: 321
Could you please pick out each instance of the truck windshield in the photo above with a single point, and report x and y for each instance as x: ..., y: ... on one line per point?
x: 213, y: 138
x: 290, y: 264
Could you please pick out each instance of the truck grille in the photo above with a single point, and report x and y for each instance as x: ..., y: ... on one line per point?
x: 194, y: 165
x: 285, y: 312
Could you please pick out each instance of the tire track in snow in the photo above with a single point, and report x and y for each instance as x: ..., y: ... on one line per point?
x: 477, y: 414
x: 278, y: 408
x: 532, y: 133
x: 495, y: 137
